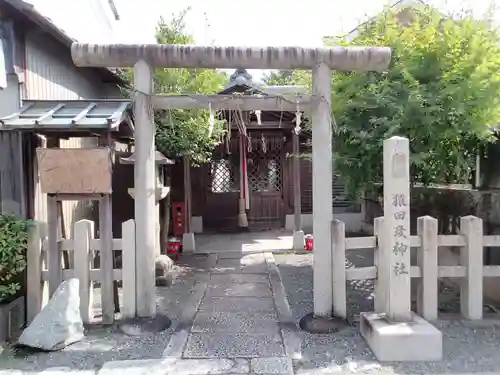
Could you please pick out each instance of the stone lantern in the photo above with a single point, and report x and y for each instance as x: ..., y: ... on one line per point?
x: 161, y: 190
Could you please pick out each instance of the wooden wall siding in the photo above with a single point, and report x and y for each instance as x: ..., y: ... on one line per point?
x: 11, y: 175
x: 40, y: 199
x: 339, y: 192
x: 122, y: 202
x: 51, y: 75
x: 200, y: 182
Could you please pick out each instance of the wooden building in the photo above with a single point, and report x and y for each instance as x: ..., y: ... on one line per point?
x: 270, y: 201
x: 37, y: 71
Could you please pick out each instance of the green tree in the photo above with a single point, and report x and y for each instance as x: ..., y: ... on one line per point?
x: 185, y: 132
x: 284, y: 77
x: 442, y: 90
x: 279, y: 77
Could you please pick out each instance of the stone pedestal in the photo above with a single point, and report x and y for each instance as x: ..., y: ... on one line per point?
x: 188, y: 243
x: 298, y: 240
x: 415, y: 340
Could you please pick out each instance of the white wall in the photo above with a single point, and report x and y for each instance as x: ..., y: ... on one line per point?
x: 90, y: 21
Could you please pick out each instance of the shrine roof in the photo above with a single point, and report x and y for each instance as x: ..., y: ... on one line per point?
x: 72, y: 117
x: 242, y: 81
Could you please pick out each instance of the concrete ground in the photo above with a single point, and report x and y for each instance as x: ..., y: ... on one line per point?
x: 468, y: 347
x: 247, y: 242
x: 236, y: 312
x: 229, y: 314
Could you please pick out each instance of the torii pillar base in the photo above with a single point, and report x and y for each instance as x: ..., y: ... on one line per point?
x: 318, y: 324
x: 148, y: 325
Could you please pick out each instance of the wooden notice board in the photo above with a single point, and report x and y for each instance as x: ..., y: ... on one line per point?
x: 75, y: 170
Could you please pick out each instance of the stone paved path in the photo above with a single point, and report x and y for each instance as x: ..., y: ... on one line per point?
x: 237, y: 316
x: 242, y: 324
x: 232, y: 317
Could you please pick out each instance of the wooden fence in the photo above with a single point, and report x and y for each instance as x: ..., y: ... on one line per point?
x: 82, y: 249
x: 471, y: 270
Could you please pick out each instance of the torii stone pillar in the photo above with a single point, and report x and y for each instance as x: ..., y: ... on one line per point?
x: 322, y: 189
x: 320, y: 60
x: 145, y: 189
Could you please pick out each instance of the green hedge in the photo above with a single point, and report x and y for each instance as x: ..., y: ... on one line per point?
x: 13, y: 246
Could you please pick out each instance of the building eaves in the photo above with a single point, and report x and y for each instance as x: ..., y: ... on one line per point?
x: 72, y: 116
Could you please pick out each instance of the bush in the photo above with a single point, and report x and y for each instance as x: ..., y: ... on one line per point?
x: 13, y: 244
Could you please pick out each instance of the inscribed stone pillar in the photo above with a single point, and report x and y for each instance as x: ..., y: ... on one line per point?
x: 396, y: 231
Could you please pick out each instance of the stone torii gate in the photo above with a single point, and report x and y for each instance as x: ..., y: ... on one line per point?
x: 320, y: 60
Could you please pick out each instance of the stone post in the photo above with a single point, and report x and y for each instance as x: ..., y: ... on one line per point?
x: 144, y: 185
x: 396, y: 228
x: 471, y: 256
x: 322, y: 190
x: 188, y: 240
x: 381, y: 284
x: 428, y: 291
x: 298, y: 233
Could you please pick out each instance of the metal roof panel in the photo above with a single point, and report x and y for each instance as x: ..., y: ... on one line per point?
x: 69, y: 115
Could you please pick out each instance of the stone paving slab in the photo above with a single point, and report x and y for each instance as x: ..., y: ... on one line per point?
x: 246, y: 260
x: 239, y: 278
x: 238, y: 290
x: 239, y: 255
x: 240, y: 266
x: 134, y: 367
x: 209, y: 366
x: 237, y: 304
x: 50, y: 371
x: 272, y: 365
x: 177, y: 367
x: 233, y: 345
x: 207, y: 321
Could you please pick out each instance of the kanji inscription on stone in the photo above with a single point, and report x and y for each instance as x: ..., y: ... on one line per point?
x: 397, y: 227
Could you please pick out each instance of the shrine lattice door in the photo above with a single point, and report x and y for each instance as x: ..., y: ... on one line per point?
x: 265, y: 184
x: 223, y: 189
x: 265, y: 181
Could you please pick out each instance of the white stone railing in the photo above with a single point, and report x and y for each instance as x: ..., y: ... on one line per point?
x: 81, y: 251
x: 427, y: 270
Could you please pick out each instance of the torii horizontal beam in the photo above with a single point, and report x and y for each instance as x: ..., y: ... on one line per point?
x: 147, y: 56
x: 243, y: 102
x: 194, y: 56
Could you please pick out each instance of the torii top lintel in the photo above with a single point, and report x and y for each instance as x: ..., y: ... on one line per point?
x: 194, y: 56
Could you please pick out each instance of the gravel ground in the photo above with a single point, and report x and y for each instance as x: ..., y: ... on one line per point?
x: 103, y: 344
x: 466, y: 348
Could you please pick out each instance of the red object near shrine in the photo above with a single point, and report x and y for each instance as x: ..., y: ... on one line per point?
x: 174, y: 247
x: 178, y: 218
x: 309, y: 243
